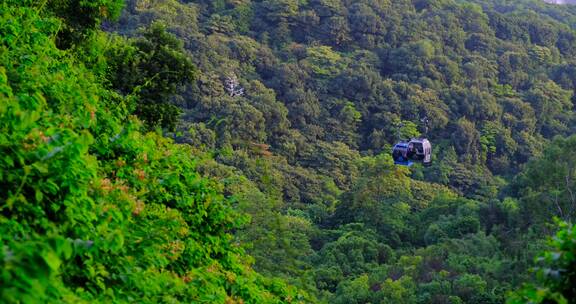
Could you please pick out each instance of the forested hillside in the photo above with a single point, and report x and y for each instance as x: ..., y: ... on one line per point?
x: 238, y: 151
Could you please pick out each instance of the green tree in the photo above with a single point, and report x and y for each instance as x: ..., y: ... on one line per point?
x: 380, y: 198
x: 546, y: 185
x: 80, y: 18
x: 152, y: 68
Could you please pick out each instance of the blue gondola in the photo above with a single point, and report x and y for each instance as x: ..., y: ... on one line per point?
x: 405, y: 153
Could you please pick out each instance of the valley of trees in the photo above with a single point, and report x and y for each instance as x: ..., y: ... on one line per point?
x: 238, y: 151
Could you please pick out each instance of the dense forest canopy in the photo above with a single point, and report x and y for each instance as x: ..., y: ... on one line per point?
x: 238, y: 151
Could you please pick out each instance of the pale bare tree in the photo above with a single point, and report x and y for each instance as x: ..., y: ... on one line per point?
x: 232, y: 86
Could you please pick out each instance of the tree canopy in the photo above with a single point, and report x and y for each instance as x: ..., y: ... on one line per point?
x: 237, y: 151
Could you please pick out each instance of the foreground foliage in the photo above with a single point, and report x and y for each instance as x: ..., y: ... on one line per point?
x: 91, y: 209
x: 556, y: 273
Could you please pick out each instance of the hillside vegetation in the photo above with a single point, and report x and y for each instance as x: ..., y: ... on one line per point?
x: 237, y: 151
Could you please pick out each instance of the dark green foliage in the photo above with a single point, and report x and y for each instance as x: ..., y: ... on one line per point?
x: 546, y: 186
x: 79, y: 18
x: 305, y: 99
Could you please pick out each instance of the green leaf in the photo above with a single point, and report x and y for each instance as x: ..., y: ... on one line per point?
x: 38, y: 195
x: 41, y: 167
x: 52, y: 260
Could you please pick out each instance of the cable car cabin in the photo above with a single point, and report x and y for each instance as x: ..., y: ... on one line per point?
x: 417, y: 149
